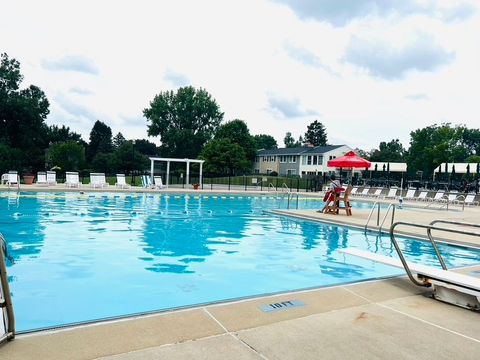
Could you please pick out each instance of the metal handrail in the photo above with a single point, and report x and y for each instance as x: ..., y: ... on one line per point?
x: 432, y: 241
x: 6, y: 302
x: 285, y: 186
x: 376, y: 204
x: 270, y: 185
x: 393, y: 207
x: 291, y: 195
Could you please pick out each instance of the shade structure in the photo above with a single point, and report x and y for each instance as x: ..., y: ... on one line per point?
x: 350, y: 160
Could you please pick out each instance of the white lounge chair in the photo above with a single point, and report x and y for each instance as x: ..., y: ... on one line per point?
x: 98, y: 180
x: 470, y: 200
x: 13, y: 179
x: 354, y: 191
x: 422, y: 196
x: 158, y: 182
x: 365, y: 192
x: 392, y: 193
x: 72, y: 179
x: 4, y: 178
x: 121, y: 183
x: 410, y: 195
x: 440, y: 196
x: 41, y: 178
x: 51, y: 178
x: 377, y: 193
x: 146, y: 181
x: 452, y: 197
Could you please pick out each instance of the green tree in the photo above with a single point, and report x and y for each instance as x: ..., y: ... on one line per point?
x: 100, y: 140
x: 266, y: 142
x: 68, y: 155
x: 146, y: 147
x: 128, y: 158
x: 316, y: 134
x: 236, y: 131
x: 118, y: 140
x: 433, y: 145
x: 185, y: 120
x: 288, y: 140
x: 224, y: 157
x: 392, y: 151
x: 22, y: 115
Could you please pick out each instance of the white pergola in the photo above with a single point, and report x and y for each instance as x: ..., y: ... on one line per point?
x: 169, y: 160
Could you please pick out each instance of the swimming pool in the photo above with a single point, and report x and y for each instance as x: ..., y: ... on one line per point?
x: 85, y: 257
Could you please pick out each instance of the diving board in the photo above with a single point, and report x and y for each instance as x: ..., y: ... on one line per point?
x: 466, y: 288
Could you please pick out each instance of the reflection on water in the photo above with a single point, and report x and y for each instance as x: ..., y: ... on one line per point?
x: 101, y: 255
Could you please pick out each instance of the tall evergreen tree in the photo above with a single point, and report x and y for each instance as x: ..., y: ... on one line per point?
x: 316, y: 134
x: 100, y: 140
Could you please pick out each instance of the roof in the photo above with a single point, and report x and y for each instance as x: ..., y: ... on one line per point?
x: 299, y: 150
x: 460, y: 168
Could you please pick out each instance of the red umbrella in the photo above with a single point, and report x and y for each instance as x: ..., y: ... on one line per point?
x: 349, y: 160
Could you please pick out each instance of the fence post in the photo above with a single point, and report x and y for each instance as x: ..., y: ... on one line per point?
x: 245, y: 181
x: 229, y: 179
x: 298, y: 184
x: 276, y: 184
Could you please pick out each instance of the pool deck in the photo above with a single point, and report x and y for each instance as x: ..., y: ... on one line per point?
x: 380, y: 319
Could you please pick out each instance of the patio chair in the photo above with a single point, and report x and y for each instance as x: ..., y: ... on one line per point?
x: 146, y: 181
x: 98, y: 180
x: 364, y: 192
x: 354, y: 191
x: 439, y: 196
x: 158, y: 182
x: 469, y: 199
x: 13, y: 179
x: 72, y: 179
x: 410, y: 195
x: 422, y: 196
x: 377, y: 193
x: 452, y: 197
x: 51, y: 178
x: 41, y: 178
x: 121, y: 183
x: 392, y: 193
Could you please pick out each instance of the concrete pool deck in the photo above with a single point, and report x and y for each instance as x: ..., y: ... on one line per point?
x: 389, y: 318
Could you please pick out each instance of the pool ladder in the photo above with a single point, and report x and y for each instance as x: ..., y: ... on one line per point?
x: 6, y: 307
x: 377, y: 206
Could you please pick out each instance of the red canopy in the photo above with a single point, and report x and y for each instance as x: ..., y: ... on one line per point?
x: 350, y: 160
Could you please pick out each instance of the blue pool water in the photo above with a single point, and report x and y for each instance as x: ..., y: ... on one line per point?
x: 81, y: 258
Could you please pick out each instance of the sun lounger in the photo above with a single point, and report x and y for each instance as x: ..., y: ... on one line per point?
x: 13, y: 179
x: 51, y: 178
x: 121, y: 183
x: 146, y: 181
x: 158, y: 182
x: 97, y: 180
x: 422, y: 196
x: 392, y: 193
x: 354, y: 191
x: 452, y: 197
x: 440, y: 197
x: 377, y: 193
x: 469, y: 200
x: 410, y: 195
x: 72, y: 179
x: 365, y: 192
x: 41, y: 178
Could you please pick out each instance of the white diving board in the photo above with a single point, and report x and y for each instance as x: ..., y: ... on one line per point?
x: 445, y: 278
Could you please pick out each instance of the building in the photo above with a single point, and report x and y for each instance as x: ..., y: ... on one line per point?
x: 298, y: 161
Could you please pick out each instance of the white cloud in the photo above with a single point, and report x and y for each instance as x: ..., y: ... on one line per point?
x: 262, y: 62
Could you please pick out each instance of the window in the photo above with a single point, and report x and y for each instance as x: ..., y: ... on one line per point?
x: 256, y: 171
x: 331, y: 157
x: 304, y: 160
x: 269, y: 171
x: 293, y: 159
x: 314, y: 162
x: 291, y: 172
x: 283, y: 158
x: 320, y: 159
x: 309, y: 160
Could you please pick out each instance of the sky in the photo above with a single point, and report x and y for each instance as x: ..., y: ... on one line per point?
x: 368, y: 70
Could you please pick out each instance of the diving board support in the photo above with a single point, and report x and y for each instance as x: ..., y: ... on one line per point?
x: 448, y: 286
